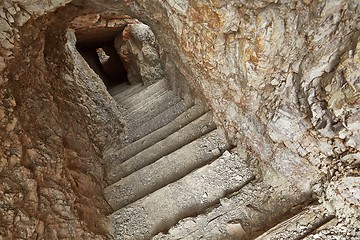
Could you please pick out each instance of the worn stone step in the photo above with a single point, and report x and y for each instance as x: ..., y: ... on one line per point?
x: 162, y: 119
x: 144, y: 114
x: 300, y: 225
x: 115, y: 90
x: 189, y: 196
x: 183, y: 119
x: 134, y: 89
x: 146, y: 95
x: 245, y: 214
x: 161, y: 101
x: 166, y: 170
x: 138, y: 102
x: 178, y: 139
x: 337, y: 228
x: 146, y: 106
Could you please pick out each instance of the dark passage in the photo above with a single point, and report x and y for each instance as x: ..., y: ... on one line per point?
x: 105, y: 61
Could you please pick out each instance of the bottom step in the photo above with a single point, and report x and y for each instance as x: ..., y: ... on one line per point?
x: 300, y: 225
x: 337, y: 229
x: 244, y: 215
x: 188, y: 196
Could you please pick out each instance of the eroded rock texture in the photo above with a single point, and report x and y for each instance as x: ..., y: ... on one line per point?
x: 281, y: 77
x: 138, y: 50
x: 55, y: 120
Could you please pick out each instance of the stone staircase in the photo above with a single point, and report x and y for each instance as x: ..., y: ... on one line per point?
x: 177, y: 177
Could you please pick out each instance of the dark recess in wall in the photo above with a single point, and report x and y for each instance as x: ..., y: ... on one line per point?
x: 109, y: 68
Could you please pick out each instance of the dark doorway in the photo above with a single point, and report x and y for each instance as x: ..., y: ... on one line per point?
x: 105, y: 62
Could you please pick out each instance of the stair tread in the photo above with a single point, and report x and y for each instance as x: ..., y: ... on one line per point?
x: 160, y: 99
x: 128, y: 92
x: 166, y: 170
x: 162, y: 119
x: 176, y: 140
x: 244, y: 215
x: 299, y: 225
x: 156, y: 100
x: 143, y: 115
x: 157, y: 134
x: 118, y: 89
x: 135, y: 103
x: 188, y: 196
x: 147, y: 94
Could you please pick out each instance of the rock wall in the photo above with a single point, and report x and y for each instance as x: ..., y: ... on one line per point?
x: 138, y: 50
x: 282, y: 78
x: 56, y: 118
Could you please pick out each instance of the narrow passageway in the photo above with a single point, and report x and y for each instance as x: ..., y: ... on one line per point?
x: 112, y: 65
x: 168, y: 141
x: 174, y: 166
x: 105, y: 62
x: 96, y: 44
x: 171, y: 164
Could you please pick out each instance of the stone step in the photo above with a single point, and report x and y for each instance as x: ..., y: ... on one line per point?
x: 158, y: 134
x: 147, y: 106
x: 166, y: 170
x: 244, y: 214
x: 146, y: 95
x: 178, y: 139
x: 189, y: 196
x: 115, y: 90
x: 337, y: 228
x: 137, y: 102
x: 134, y: 89
x: 300, y: 225
x: 140, y: 116
x: 162, y: 119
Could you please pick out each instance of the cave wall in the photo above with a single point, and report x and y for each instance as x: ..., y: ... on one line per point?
x: 282, y: 78
x: 56, y: 120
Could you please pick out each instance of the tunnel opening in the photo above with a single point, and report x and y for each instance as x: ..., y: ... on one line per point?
x: 120, y: 49
x: 95, y: 41
x: 105, y: 61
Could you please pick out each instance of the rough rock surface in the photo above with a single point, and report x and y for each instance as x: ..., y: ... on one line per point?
x: 281, y: 77
x: 139, y: 53
x: 55, y: 118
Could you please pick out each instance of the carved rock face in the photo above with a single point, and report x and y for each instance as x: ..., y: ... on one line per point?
x: 282, y: 79
x: 138, y: 50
